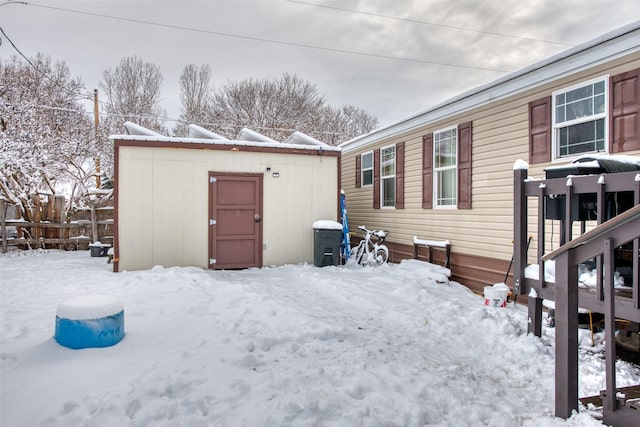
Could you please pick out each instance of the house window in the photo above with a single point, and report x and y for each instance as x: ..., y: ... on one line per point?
x: 445, y: 167
x: 580, y: 119
x: 388, y: 176
x: 367, y: 168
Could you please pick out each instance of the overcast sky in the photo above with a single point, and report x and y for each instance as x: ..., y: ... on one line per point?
x: 392, y: 58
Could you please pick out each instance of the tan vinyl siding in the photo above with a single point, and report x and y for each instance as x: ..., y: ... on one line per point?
x: 500, y: 137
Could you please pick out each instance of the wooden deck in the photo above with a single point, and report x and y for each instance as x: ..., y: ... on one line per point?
x: 614, y: 229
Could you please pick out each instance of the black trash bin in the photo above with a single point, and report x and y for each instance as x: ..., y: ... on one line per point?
x: 327, y: 237
x: 98, y: 249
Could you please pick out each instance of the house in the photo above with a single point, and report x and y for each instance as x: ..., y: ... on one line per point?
x: 210, y: 202
x: 446, y: 174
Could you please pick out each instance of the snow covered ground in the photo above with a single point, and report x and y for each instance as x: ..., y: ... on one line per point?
x: 288, y: 346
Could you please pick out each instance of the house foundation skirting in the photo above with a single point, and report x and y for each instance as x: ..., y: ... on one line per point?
x: 475, y: 272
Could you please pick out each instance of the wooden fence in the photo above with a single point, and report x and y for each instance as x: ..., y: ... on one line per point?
x: 47, y: 228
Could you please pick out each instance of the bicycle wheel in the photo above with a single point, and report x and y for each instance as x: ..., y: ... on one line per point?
x: 359, y: 253
x: 381, y: 255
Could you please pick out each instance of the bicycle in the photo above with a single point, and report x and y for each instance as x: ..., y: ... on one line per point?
x: 371, y: 250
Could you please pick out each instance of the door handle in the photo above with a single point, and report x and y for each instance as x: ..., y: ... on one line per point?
x: 257, y: 218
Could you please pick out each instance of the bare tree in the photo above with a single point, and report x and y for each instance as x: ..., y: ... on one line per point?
x: 133, y: 94
x: 340, y: 125
x: 278, y: 107
x: 271, y: 107
x: 196, y: 96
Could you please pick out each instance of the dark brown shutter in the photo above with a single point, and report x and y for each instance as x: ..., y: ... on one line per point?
x: 540, y: 131
x: 464, y: 165
x: 624, y: 133
x: 400, y: 175
x: 427, y: 171
x: 376, y: 179
x: 358, y: 171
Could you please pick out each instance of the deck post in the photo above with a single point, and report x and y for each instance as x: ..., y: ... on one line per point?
x: 610, y: 401
x: 566, y: 377
x: 636, y: 277
x: 600, y: 203
x: 636, y: 250
x: 567, y: 232
x: 534, y: 308
x: 520, y: 233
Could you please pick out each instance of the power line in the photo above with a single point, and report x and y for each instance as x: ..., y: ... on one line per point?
x: 20, y: 53
x: 265, y: 40
x: 415, y: 21
x: 70, y: 110
x: 13, y: 2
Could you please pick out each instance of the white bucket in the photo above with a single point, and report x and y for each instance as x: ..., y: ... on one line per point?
x: 495, y: 296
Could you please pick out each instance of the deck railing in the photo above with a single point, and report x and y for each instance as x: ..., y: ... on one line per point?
x: 529, y: 222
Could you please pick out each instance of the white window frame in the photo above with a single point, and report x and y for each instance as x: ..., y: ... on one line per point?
x: 386, y: 177
x: 556, y: 127
x: 437, y: 170
x: 363, y: 169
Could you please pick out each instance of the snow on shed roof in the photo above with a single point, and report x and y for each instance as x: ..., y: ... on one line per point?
x: 195, y: 131
x: 134, y: 129
x: 303, y: 139
x: 246, y: 138
x: 247, y: 134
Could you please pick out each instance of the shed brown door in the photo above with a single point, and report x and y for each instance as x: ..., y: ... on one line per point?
x: 235, y: 220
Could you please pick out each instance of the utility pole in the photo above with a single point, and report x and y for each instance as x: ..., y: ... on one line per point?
x: 96, y: 118
x: 94, y: 216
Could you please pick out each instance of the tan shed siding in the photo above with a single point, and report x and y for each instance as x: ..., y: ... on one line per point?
x: 500, y: 137
x: 304, y: 192
x: 176, y: 198
x: 135, y: 170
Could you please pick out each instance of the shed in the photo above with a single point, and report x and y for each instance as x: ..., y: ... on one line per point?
x: 218, y: 203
